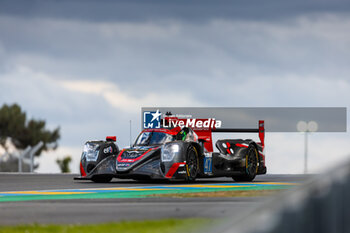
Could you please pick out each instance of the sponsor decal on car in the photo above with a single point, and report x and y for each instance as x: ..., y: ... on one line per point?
x: 208, y: 164
x: 107, y: 150
x: 123, y: 164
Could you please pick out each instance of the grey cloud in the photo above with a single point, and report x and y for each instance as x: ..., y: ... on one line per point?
x: 80, y: 116
x: 237, y: 49
x: 220, y: 55
x: 229, y: 54
x: 195, y: 10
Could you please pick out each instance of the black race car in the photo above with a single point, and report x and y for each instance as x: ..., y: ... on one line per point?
x: 175, y: 153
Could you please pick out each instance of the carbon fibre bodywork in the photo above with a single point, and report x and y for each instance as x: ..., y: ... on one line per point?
x: 179, y: 154
x: 140, y: 163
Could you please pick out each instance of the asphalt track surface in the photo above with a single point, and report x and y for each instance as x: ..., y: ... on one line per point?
x: 117, y: 209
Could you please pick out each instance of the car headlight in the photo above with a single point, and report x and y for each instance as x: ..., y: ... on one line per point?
x: 169, y: 152
x: 90, y: 151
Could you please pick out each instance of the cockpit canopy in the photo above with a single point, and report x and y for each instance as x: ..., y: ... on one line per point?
x: 158, y: 137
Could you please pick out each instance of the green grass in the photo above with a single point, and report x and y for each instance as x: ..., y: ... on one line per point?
x: 151, y: 226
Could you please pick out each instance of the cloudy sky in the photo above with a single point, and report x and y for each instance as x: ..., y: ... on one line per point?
x: 89, y: 66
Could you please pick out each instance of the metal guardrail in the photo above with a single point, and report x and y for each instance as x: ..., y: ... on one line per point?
x: 321, y: 205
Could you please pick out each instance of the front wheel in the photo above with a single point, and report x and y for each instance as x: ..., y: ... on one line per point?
x: 192, y: 162
x: 251, y: 167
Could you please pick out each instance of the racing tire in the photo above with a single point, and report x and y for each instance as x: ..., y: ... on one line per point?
x: 192, y: 164
x: 251, y: 168
x: 101, y: 179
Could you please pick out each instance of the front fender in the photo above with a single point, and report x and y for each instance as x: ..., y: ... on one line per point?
x: 176, y: 168
x: 105, y: 167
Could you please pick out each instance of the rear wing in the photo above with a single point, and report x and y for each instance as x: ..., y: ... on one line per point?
x: 260, y: 130
x: 205, y: 135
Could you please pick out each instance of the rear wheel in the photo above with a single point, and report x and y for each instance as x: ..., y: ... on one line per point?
x: 101, y: 179
x: 251, y: 167
x: 192, y: 163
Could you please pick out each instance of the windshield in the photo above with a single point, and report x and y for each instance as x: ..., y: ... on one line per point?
x: 153, y: 138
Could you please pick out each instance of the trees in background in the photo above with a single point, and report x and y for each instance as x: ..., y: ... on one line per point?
x: 64, y: 164
x: 22, y: 132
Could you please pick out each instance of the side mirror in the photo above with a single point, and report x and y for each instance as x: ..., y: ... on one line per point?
x: 111, y: 138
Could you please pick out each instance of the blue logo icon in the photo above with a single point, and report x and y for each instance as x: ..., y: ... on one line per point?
x: 208, y: 165
x: 151, y: 120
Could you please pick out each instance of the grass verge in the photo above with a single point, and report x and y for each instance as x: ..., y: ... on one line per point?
x: 151, y: 226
